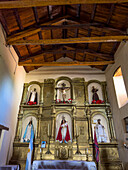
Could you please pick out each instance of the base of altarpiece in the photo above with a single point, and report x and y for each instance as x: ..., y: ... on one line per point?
x: 63, y: 164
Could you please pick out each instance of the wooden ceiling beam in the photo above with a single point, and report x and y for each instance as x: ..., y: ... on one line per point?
x: 80, y: 40
x: 37, y: 3
x: 32, y: 31
x: 75, y: 63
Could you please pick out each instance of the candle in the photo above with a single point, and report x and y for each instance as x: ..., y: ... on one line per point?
x: 76, y: 129
x: 48, y: 130
x: 87, y: 150
x: 40, y: 150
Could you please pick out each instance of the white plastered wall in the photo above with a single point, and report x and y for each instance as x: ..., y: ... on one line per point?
x: 121, y: 59
x: 11, y: 86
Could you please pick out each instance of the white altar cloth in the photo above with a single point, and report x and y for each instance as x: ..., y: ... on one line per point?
x: 63, y: 164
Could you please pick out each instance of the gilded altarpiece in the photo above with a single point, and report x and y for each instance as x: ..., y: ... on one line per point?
x: 80, y: 114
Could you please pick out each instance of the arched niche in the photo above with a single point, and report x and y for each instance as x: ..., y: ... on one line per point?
x: 103, y: 121
x: 69, y: 122
x: 31, y: 88
x: 25, y: 122
x: 63, y: 87
x: 99, y: 92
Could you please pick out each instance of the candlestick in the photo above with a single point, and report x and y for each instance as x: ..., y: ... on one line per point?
x: 48, y: 130
x: 76, y: 129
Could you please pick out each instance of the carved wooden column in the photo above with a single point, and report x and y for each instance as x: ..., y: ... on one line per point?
x: 74, y: 121
x: 104, y: 92
x: 24, y: 96
x: 53, y: 122
x: 111, y: 127
x: 53, y: 127
x: 86, y: 93
x: 38, y: 127
x: 88, y: 112
x: 41, y: 93
x: 19, y: 128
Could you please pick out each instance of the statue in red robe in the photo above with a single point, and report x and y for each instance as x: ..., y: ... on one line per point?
x: 63, y: 133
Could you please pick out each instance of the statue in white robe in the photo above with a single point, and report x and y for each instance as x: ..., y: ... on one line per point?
x: 33, y: 97
x: 100, y: 132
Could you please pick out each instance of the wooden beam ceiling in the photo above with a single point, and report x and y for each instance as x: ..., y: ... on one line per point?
x: 69, y: 50
x: 31, y: 31
x: 80, y: 40
x: 37, y: 3
x: 75, y: 63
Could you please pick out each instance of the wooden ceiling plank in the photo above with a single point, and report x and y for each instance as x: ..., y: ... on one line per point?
x: 37, y: 3
x: 35, y: 14
x: 15, y: 11
x: 99, y: 46
x: 93, y: 12
x: 75, y: 63
x: 54, y: 57
x: 64, y: 51
x: 17, y: 51
x: 86, y: 45
x: 16, y: 14
x: 114, y: 48
x: 80, y: 40
x: 35, y: 29
x: 78, y: 10
x: 4, y: 23
x: 76, y: 35
x: 49, y: 10
x: 110, y: 14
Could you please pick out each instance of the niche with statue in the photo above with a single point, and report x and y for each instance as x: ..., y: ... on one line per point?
x: 28, y: 128
x: 100, y: 127
x: 95, y: 95
x: 63, y: 128
x: 63, y: 92
x: 33, y: 94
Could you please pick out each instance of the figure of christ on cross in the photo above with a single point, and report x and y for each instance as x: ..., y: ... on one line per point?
x: 63, y: 90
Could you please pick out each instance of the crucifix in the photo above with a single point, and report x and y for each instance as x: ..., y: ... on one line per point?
x: 63, y: 90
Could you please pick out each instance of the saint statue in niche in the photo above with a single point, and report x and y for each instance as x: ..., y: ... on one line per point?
x: 95, y: 95
x: 100, y: 132
x: 63, y: 133
x: 63, y: 90
x: 32, y: 98
x: 28, y: 132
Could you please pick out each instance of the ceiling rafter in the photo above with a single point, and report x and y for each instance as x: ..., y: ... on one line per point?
x: 78, y: 10
x: 80, y: 40
x: 90, y: 30
x: 77, y: 30
x: 110, y: 14
x: 93, y: 12
x: 37, y: 22
x: 75, y: 63
x: 37, y: 3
